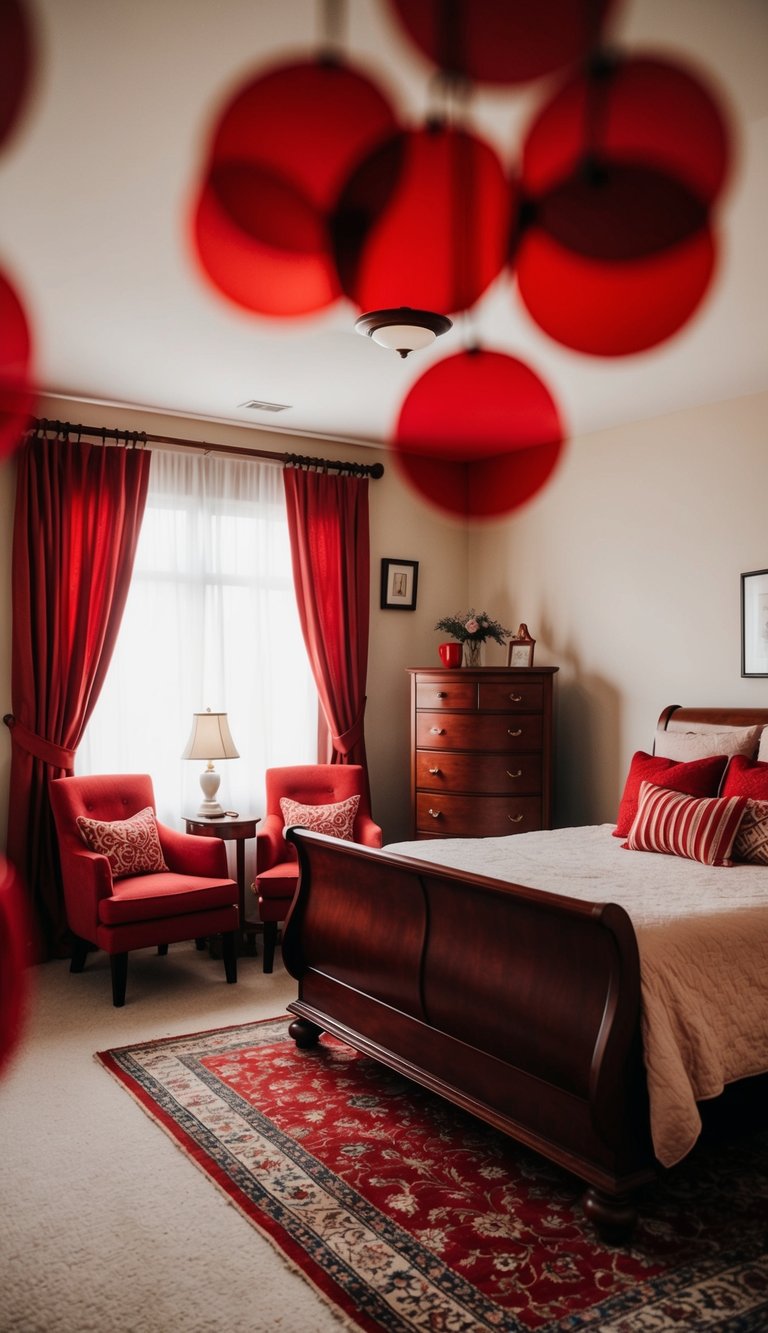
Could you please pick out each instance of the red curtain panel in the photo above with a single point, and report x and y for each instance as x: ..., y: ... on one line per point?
x: 78, y: 514
x: 330, y: 552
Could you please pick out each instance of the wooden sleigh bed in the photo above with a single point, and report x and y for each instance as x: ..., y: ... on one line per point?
x: 520, y: 1005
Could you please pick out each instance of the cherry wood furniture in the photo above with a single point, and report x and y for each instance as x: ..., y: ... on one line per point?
x: 522, y: 1007
x: 193, y: 898
x: 481, y: 751
x: 237, y: 829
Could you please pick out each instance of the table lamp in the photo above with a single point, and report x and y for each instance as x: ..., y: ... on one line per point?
x: 210, y: 739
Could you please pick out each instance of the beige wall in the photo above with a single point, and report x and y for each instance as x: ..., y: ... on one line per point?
x: 401, y: 527
x: 626, y: 570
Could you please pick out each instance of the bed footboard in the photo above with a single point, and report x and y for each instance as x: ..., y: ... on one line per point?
x: 522, y: 1007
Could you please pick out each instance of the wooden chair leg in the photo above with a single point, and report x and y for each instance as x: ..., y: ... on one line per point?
x: 270, y: 940
x: 118, y: 963
x: 162, y: 949
x: 229, y: 953
x: 79, y: 954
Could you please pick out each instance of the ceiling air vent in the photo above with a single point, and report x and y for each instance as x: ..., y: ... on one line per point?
x: 258, y: 406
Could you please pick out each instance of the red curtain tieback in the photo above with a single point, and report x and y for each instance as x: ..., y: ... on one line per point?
x: 50, y: 753
x: 345, y: 742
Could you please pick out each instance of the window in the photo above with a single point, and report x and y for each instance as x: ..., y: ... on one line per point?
x: 210, y: 622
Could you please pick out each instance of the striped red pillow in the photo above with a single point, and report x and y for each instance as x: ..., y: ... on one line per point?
x: 701, y: 829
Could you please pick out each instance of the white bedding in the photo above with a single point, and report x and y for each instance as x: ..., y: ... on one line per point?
x: 702, y: 934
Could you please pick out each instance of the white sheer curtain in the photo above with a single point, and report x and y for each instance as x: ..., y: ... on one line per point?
x: 211, y: 622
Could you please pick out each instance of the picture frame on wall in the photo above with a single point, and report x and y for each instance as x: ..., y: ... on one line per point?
x: 520, y: 648
x: 399, y: 581
x: 754, y: 623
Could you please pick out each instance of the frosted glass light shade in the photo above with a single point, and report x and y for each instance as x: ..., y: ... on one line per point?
x: 403, y: 338
x: 402, y: 330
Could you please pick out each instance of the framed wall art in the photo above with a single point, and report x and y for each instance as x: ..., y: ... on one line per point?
x: 399, y: 579
x: 754, y: 623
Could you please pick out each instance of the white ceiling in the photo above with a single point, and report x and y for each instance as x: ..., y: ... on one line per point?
x: 98, y: 178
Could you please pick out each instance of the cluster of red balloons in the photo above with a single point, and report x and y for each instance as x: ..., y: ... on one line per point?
x: 312, y: 189
x: 16, y: 395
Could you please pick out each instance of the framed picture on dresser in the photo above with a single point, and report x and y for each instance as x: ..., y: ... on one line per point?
x: 520, y: 649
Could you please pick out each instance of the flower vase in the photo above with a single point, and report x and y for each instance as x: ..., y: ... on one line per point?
x: 473, y: 652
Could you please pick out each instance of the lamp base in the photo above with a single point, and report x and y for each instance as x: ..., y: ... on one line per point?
x: 210, y: 810
x: 209, y: 782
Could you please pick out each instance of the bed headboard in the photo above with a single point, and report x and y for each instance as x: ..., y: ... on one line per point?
x: 688, y: 718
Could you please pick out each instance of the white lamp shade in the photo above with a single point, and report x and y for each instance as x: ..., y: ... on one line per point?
x: 210, y: 738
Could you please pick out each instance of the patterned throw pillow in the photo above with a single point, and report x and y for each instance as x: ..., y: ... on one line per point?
x: 131, y: 846
x: 338, y: 819
x: 699, y: 778
x: 752, y: 838
x: 700, y: 830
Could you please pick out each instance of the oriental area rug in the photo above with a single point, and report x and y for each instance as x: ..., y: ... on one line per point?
x: 407, y: 1214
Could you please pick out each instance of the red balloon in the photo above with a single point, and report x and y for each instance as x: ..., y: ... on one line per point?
x: 498, y: 41
x: 478, y: 434
x: 279, y: 154
x: 15, y: 62
x: 424, y: 222
x: 16, y: 395
x: 639, y: 111
x: 613, y: 309
x: 284, y: 272
x: 310, y: 122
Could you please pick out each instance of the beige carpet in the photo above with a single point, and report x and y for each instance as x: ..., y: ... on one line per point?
x: 105, y: 1226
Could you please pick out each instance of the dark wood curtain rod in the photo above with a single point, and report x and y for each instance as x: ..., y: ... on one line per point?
x: 140, y: 438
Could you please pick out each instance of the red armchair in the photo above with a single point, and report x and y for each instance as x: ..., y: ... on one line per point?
x: 190, y: 897
x: 277, y: 870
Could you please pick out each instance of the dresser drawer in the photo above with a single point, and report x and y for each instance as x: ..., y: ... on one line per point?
x: 479, y: 731
x: 451, y: 693
x: 478, y: 772
x: 523, y: 694
x: 476, y: 816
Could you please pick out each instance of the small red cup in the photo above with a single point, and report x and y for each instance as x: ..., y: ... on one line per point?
x: 450, y: 654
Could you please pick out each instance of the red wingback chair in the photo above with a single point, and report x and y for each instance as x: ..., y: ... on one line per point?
x: 277, y: 870
x: 190, y: 898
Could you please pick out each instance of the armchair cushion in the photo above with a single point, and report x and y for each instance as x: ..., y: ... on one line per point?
x: 153, y: 898
x: 337, y: 819
x: 131, y: 846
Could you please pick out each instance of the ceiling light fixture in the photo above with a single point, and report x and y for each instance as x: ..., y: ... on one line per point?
x: 403, y: 330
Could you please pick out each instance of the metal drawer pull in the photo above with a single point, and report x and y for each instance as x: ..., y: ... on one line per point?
x: 519, y: 732
x: 435, y: 772
x: 518, y: 774
x: 437, y: 815
x: 440, y: 731
x: 441, y: 694
x: 516, y: 698
x: 513, y: 819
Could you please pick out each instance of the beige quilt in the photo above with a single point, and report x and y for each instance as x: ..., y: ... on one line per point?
x: 702, y: 934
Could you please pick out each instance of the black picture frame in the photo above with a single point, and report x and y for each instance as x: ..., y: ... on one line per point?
x: 754, y: 623
x: 399, y: 581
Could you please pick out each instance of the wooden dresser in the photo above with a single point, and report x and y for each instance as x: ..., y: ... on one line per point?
x: 481, y: 750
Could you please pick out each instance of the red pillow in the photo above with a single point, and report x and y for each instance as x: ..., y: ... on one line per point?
x: 701, y: 830
x: 700, y: 777
x: 746, y: 777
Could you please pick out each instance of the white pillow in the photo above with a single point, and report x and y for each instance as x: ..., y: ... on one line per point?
x: 684, y: 746
x: 762, y: 753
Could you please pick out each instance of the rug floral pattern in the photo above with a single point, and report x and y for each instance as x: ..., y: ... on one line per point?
x: 408, y: 1214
